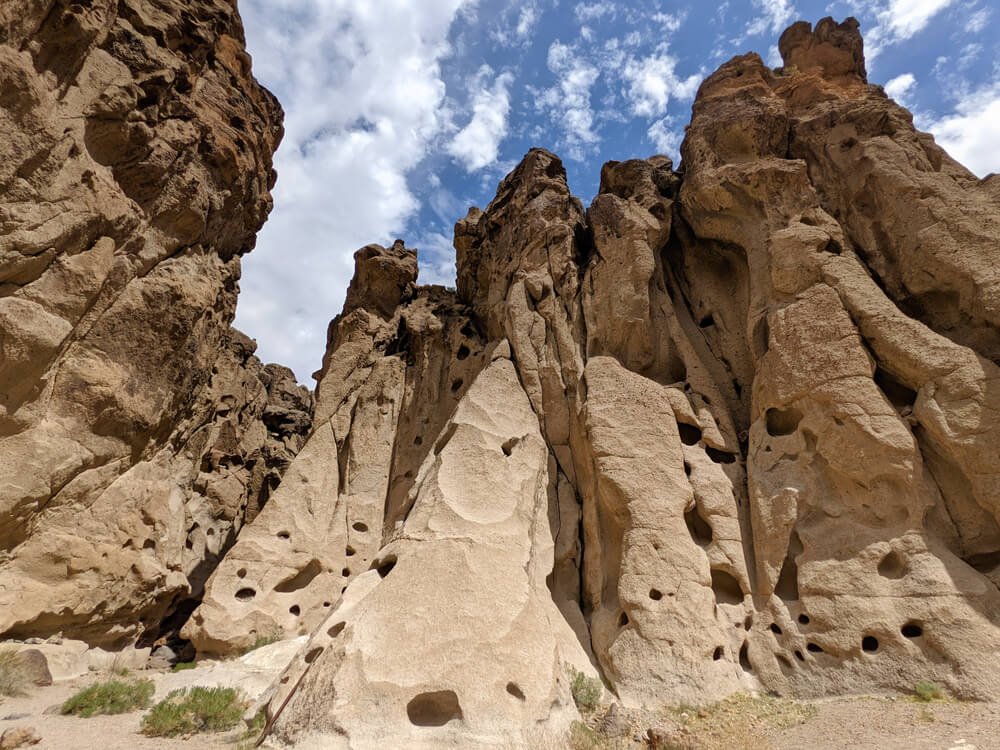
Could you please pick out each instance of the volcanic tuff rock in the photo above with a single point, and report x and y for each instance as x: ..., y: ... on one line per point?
x: 733, y: 426
x: 137, y: 431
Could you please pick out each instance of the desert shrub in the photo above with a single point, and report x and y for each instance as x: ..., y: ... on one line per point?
x: 586, y: 690
x: 264, y: 640
x: 110, y: 697
x: 12, y: 680
x: 199, y: 709
x: 928, y: 691
x: 182, y: 665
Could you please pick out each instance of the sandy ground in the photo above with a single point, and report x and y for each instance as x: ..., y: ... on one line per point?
x: 859, y: 723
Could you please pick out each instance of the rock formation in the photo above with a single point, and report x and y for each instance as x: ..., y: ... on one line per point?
x: 137, y: 431
x: 734, y: 426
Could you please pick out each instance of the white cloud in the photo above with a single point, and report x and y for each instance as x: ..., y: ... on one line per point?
x: 363, y: 99
x: 653, y: 80
x: 669, y: 21
x: 899, y: 88
x: 772, y: 16
x: 978, y: 20
x: 969, y: 133
x: 568, y: 102
x: 666, y: 137
x: 896, y: 20
x: 593, y: 11
x: 526, y: 21
x: 477, y: 144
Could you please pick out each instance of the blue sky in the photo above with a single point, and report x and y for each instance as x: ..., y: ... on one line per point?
x: 400, y: 114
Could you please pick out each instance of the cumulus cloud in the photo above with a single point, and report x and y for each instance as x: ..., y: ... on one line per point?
x: 476, y: 145
x: 363, y: 98
x: 653, y: 80
x: 585, y: 12
x: 568, y: 102
x: 896, y: 20
x: 772, y: 16
x: 666, y: 136
x: 900, y: 87
x: 969, y: 133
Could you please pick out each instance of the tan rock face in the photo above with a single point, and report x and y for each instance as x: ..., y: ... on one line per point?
x: 137, y: 431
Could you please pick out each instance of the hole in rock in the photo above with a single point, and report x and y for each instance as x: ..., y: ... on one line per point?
x: 690, y: 434
x: 869, y: 643
x: 346, y: 572
x: 727, y: 589
x: 912, y: 630
x: 301, y: 579
x: 748, y: 622
x: 655, y: 594
x: 775, y: 628
x: 516, y: 691
x: 687, y: 468
x: 326, y: 604
x: 720, y: 457
x: 892, y: 566
x: 241, y: 573
x: 313, y: 653
x: 384, y: 567
x: 745, y: 658
x: 848, y: 143
x: 718, y: 653
x: 707, y: 321
x: 284, y: 679
x: 418, y: 440
x: 782, y: 421
x: 804, y: 619
x: 508, y: 446
x: 284, y: 535
x: 799, y: 656
x: 463, y: 352
x: 787, y: 587
x: 434, y: 709
x: 622, y: 620
x: 833, y: 247
x: 334, y: 630
x: 698, y: 527
x: 808, y: 221
x: 245, y: 595
x: 359, y: 526
x: 294, y: 610
x: 814, y: 647
x: 898, y: 394
x: 456, y: 385
x: 350, y: 551
x: 150, y: 544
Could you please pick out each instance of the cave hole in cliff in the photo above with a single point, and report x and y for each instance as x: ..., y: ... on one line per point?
x: 687, y: 468
x: 326, y: 604
x: 804, y: 619
x: 745, y: 658
x: 814, y: 647
x: 241, y: 573
x: 717, y: 654
x: 892, y: 566
x: 346, y: 572
x: 912, y: 630
x: 456, y: 385
x: 726, y: 587
x: 463, y: 352
x: 720, y: 457
x: 623, y: 619
x: 508, y: 446
x: 301, y: 579
x: 787, y: 587
x: 313, y: 653
x: 515, y: 690
x: 418, y: 440
x: 385, y: 565
x: 245, y: 595
x: 434, y: 709
x: 360, y: 526
x: 799, y: 656
x: 335, y: 630
x: 350, y: 551
x: 283, y: 535
x: 869, y: 643
x: 655, y: 594
x: 690, y: 434
x: 782, y: 421
x: 294, y: 610
x: 833, y: 247
x: 747, y: 622
x: 698, y: 527
x: 584, y: 246
x: 775, y: 628
x: 706, y: 321
x: 899, y: 395
x: 151, y: 545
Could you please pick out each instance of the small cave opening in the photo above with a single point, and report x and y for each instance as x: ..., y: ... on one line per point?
x: 508, y: 446
x: 720, y: 457
x: 699, y: 529
x: 313, y: 653
x: 463, y: 352
x: 912, y: 630
x: 360, y: 526
x: 335, y: 630
x: 726, y: 587
x: 434, y: 709
x: 655, y: 594
x: 245, y: 595
x: 869, y: 643
x: 514, y: 689
x: 706, y: 321
x: 799, y: 656
x: 814, y: 647
x: 804, y: 619
x: 384, y: 567
x: 892, y: 566
x: 690, y: 434
x: 787, y: 587
x: 456, y: 385
x: 623, y: 619
x: 745, y: 658
x: 775, y: 628
x: 294, y: 610
x: 717, y: 654
x: 781, y: 422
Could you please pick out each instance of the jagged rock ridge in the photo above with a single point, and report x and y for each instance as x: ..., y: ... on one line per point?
x: 137, y: 431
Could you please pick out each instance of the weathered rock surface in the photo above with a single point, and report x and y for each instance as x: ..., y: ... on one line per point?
x: 137, y: 431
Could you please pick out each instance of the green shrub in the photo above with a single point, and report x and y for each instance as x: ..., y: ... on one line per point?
x: 199, y: 709
x: 12, y: 681
x: 928, y: 691
x: 264, y: 640
x: 586, y: 690
x: 111, y: 697
x: 182, y: 665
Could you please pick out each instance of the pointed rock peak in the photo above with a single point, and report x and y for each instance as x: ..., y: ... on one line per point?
x: 383, y: 277
x: 834, y: 48
x: 538, y: 170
